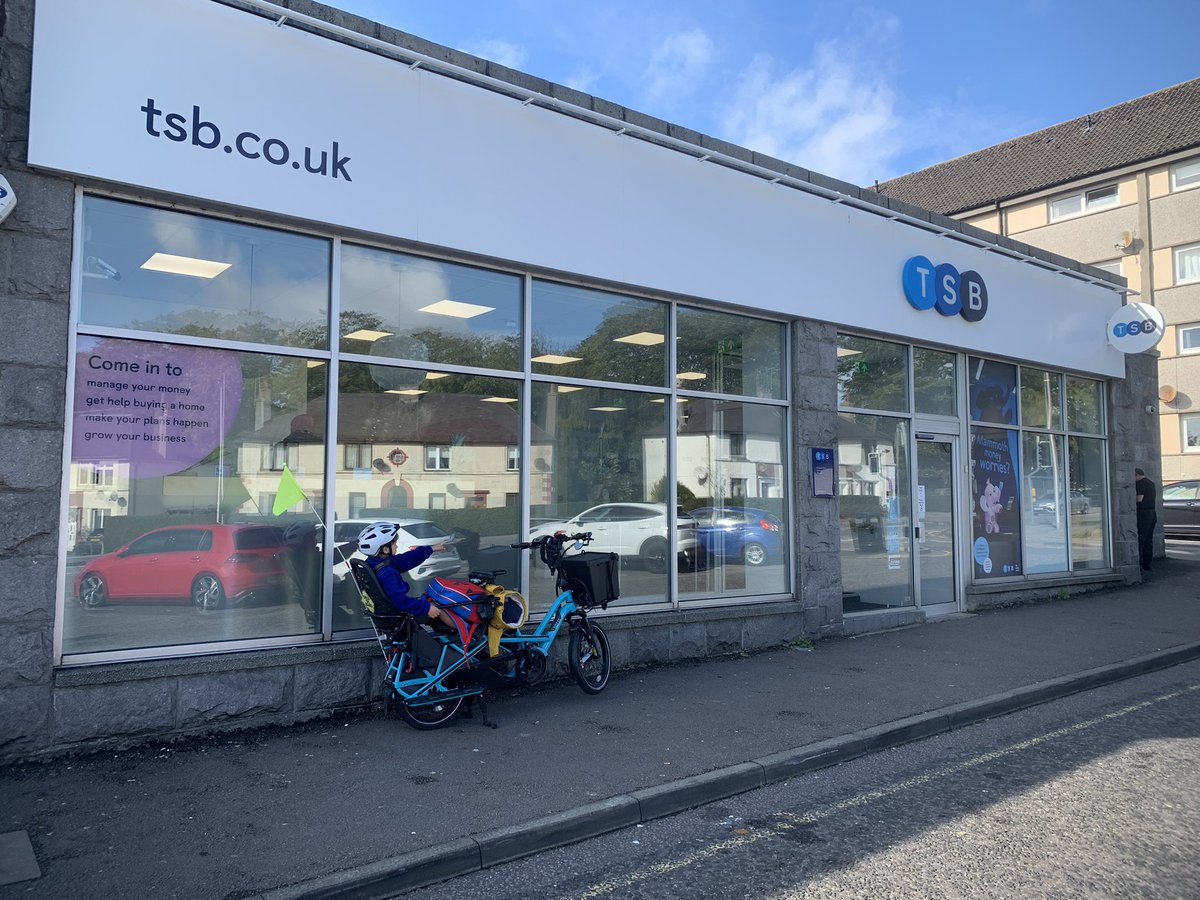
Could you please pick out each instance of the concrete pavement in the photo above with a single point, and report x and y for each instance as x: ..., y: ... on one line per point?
x: 363, y: 806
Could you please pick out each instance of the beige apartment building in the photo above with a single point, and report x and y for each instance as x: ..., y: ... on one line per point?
x: 1119, y: 189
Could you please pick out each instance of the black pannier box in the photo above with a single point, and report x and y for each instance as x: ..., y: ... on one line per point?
x: 599, y: 573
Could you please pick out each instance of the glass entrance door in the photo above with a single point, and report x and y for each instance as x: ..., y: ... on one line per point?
x: 934, y: 526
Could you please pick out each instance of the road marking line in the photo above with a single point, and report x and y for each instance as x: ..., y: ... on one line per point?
x: 790, y: 821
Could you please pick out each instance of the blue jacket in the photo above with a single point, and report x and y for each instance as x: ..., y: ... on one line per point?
x: 388, y: 568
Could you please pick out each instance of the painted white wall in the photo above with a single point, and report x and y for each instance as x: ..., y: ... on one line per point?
x: 445, y: 163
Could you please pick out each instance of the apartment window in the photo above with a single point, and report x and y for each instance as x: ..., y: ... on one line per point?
x: 514, y: 459
x: 1189, y: 338
x: 1083, y: 201
x: 437, y: 458
x: 1187, y: 264
x: 737, y: 445
x: 1191, y: 433
x: 1109, y: 265
x: 357, y: 456
x: 281, y: 454
x: 1185, y: 174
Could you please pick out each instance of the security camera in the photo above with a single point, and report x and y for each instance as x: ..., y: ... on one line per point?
x: 8, y: 198
x: 1150, y: 408
x: 95, y: 267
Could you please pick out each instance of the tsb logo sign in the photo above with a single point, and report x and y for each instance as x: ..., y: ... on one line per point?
x: 1135, y: 327
x: 1123, y: 328
x: 944, y: 288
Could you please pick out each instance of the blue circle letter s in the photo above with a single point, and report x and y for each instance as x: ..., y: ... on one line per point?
x: 948, y: 290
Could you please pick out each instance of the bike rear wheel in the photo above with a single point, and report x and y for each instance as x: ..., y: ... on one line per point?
x: 589, y: 658
x: 427, y: 716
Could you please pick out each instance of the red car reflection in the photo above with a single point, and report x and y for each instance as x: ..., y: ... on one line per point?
x: 208, y: 564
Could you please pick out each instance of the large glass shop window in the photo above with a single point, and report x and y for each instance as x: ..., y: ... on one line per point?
x: 874, y: 503
x: 598, y: 465
x: 177, y: 457
x: 406, y: 307
x: 722, y: 353
x: 872, y: 374
x: 594, y: 335
x: 732, y: 488
x: 432, y: 452
x: 169, y: 272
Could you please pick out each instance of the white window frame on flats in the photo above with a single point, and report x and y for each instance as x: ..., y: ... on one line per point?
x: 1090, y: 200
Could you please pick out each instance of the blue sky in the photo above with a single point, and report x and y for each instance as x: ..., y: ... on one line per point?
x: 859, y: 92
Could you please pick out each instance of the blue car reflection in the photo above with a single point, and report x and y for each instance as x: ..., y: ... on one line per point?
x: 739, y: 532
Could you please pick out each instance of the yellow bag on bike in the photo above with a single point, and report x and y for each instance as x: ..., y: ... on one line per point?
x: 511, y: 612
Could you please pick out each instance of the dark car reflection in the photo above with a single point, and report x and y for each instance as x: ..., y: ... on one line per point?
x: 1181, y: 508
x: 208, y: 565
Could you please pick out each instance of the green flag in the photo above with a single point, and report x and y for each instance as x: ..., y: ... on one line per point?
x: 288, y: 493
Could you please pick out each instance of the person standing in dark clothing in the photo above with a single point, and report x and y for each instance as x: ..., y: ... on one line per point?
x: 1147, y: 516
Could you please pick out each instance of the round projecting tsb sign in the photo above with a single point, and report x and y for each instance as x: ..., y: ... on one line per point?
x: 1135, y: 327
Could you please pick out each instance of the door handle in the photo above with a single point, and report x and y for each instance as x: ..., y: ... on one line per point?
x: 917, y: 532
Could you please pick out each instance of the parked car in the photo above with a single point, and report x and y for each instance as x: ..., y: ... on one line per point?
x: 740, y: 532
x: 634, y: 531
x: 208, y: 564
x: 413, y: 533
x: 1181, y: 508
x: 1079, y: 504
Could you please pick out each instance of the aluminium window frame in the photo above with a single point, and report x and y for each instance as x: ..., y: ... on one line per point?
x: 1177, y: 254
x: 1180, y: 332
x: 1174, y: 175
x: 1085, y: 201
x: 1184, y: 419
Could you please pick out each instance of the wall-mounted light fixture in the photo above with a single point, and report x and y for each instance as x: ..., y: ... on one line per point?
x: 8, y: 198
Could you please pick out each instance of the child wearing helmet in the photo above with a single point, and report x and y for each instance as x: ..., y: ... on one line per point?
x: 378, y: 543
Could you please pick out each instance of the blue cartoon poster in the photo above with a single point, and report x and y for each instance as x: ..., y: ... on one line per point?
x: 995, y: 503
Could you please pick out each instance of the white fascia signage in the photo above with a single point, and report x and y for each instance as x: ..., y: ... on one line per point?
x: 198, y: 99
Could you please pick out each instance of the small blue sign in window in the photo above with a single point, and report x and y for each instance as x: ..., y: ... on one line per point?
x: 822, y: 472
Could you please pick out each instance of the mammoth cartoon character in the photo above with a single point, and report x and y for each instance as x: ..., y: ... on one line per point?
x: 990, y: 506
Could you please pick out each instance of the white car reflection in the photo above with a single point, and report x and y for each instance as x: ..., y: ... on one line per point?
x: 634, y: 531
x: 413, y: 533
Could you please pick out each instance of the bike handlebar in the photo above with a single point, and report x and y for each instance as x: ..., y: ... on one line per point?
x: 550, y: 546
x: 559, y: 537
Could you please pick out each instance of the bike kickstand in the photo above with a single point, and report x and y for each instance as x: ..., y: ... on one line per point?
x: 483, y: 709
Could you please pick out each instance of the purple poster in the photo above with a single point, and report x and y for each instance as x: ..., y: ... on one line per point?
x: 160, y: 407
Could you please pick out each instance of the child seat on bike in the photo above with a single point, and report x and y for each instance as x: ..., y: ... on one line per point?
x: 375, y: 601
x: 470, y: 603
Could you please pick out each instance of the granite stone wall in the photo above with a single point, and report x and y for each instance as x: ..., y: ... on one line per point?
x: 1134, y: 440
x: 35, y: 266
x: 818, y: 579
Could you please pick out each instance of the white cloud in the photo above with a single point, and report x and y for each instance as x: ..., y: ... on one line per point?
x: 583, y: 80
x: 677, y: 65
x: 503, y: 52
x: 837, y: 117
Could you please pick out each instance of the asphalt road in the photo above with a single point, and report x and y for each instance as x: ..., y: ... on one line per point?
x: 1096, y: 795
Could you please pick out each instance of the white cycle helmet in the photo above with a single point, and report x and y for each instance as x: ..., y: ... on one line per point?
x: 375, y: 537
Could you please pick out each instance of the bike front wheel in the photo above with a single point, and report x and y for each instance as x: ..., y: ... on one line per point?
x: 428, y: 716
x: 588, y: 656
